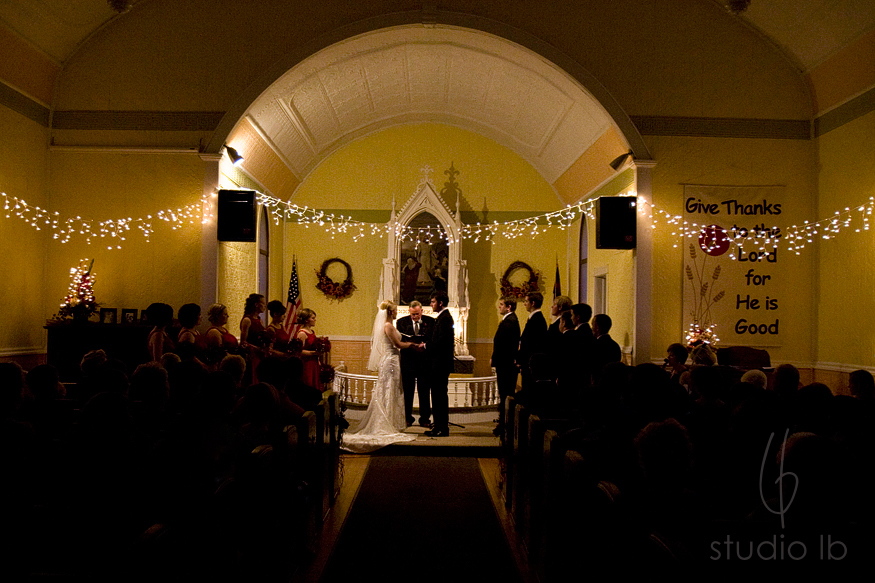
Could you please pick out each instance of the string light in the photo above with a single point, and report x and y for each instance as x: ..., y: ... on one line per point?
x: 110, y: 232
x: 764, y: 241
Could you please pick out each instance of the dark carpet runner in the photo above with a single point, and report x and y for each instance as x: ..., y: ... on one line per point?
x: 422, y: 519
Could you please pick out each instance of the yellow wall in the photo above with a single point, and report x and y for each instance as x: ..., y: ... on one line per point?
x: 847, y: 263
x: 109, y: 185
x: 733, y: 162
x: 22, y: 174
x: 369, y: 172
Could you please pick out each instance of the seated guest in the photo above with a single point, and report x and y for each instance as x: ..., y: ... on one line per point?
x: 676, y: 361
x: 160, y: 316
x: 786, y: 381
x: 235, y: 365
x: 276, y: 334
x: 861, y: 384
x: 755, y: 377
x: 46, y: 412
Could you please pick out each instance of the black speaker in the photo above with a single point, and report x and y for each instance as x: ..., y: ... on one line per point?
x: 236, y: 221
x: 616, y: 222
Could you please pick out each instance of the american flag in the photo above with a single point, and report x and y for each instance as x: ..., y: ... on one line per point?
x: 293, y: 301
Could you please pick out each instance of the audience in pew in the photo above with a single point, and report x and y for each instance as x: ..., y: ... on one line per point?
x: 682, y: 469
x: 123, y: 474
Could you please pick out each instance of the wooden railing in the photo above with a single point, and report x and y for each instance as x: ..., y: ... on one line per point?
x: 464, y: 392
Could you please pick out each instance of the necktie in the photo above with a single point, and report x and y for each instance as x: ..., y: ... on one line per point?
x: 416, y: 328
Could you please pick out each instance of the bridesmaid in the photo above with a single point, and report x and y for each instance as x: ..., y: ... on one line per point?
x: 309, y: 354
x: 219, y: 341
x: 159, y: 342
x: 252, y: 338
x: 278, y: 337
x: 190, y: 344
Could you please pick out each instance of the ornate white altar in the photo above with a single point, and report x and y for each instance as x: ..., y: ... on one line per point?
x: 426, y: 199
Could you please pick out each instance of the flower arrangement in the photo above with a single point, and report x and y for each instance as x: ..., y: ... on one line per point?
x: 79, y: 303
x: 334, y: 290
x: 508, y: 289
x: 697, y: 336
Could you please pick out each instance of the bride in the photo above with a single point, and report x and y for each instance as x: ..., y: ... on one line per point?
x: 384, y: 420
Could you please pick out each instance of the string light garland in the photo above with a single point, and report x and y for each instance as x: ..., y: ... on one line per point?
x: 765, y: 241
x: 111, y: 231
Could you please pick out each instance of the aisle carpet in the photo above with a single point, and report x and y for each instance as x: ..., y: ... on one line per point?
x: 422, y: 519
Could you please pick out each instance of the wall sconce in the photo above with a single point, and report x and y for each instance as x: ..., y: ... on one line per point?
x: 617, y: 162
x: 235, y: 157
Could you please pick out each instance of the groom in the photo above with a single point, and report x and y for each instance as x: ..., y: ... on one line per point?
x: 440, y: 352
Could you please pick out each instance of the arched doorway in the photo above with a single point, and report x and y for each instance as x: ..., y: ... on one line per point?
x: 452, y: 73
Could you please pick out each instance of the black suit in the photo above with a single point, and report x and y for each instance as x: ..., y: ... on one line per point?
x: 415, y: 369
x: 505, y: 346
x: 605, y: 351
x: 440, y: 352
x: 532, y: 340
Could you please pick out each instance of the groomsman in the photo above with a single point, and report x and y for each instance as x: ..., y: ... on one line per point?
x: 440, y: 350
x: 415, y: 366
x: 505, y: 346
x: 534, y: 336
x: 605, y: 349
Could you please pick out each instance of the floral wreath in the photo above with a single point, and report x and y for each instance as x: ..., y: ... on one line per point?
x: 509, y: 290
x: 332, y: 289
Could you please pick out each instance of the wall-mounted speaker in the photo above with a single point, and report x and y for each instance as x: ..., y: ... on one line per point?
x: 616, y: 222
x: 237, y: 218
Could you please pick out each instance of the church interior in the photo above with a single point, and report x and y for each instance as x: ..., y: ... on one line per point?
x: 490, y: 130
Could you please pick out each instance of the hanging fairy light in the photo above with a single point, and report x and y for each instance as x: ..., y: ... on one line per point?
x: 113, y: 232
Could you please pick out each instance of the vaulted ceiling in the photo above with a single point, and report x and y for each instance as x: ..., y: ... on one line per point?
x: 458, y: 77
x: 807, y: 31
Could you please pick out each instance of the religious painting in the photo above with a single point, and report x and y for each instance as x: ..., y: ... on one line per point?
x: 424, y: 260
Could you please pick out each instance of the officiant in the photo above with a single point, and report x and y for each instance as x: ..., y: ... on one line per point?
x: 415, y: 376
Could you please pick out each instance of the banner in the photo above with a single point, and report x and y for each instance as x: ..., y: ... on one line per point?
x: 733, y: 277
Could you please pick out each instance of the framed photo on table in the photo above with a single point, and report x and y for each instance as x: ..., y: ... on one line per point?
x: 108, y: 315
x: 129, y: 316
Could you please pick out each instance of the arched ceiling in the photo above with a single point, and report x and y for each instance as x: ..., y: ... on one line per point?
x: 414, y: 74
x: 808, y: 31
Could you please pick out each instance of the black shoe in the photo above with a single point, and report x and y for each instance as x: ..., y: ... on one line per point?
x: 426, y: 424
x: 438, y: 433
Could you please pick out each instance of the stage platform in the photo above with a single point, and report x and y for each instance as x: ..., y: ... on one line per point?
x: 473, y: 440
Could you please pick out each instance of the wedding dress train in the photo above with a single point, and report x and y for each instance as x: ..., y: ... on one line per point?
x: 384, y: 420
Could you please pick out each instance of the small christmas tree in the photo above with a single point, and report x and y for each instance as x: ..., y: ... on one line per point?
x: 79, y: 303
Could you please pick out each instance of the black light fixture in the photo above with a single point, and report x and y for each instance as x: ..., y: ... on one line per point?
x: 619, y: 160
x: 236, y: 158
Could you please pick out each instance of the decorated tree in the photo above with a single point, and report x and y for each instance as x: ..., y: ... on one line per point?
x: 79, y: 303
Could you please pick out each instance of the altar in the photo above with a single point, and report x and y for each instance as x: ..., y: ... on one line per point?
x: 425, y: 255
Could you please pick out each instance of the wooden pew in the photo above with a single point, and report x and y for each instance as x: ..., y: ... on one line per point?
x: 535, y: 496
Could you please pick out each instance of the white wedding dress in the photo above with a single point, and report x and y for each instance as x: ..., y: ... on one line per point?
x: 384, y: 420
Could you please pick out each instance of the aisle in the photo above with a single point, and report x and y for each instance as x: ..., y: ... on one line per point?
x: 422, y: 519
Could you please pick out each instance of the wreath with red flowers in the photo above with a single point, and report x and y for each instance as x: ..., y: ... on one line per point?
x: 510, y: 290
x: 335, y: 290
